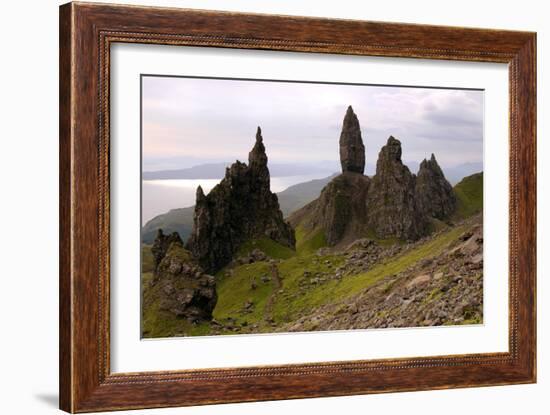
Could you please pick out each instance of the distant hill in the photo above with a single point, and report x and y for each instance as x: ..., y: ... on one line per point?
x: 299, y: 195
x: 217, y: 171
x: 175, y: 220
x: 469, y: 193
x: 181, y: 220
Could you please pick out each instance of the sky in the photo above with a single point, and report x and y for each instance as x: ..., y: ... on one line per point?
x: 192, y: 121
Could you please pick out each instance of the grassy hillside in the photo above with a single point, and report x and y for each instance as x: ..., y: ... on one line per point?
x: 267, y: 246
x: 469, y: 192
x: 176, y: 220
x: 308, y: 242
x: 252, y: 298
x: 301, y: 194
x: 266, y: 295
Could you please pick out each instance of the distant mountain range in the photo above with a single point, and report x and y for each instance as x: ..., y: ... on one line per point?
x: 217, y: 171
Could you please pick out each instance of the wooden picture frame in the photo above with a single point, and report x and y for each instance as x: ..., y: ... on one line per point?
x: 86, y: 33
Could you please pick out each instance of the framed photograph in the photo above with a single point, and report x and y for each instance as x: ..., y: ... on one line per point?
x: 259, y: 207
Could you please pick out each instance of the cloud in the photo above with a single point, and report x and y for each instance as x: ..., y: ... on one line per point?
x: 206, y: 119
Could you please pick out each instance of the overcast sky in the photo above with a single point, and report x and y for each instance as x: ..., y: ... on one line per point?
x: 194, y: 121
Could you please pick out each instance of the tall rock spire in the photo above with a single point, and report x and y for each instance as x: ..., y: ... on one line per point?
x: 257, y: 158
x: 257, y: 161
x: 391, y: 199
x: 240, y: 208
x: 352, y: 149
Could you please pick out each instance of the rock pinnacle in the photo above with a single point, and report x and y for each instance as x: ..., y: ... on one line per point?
x: 352, y: 149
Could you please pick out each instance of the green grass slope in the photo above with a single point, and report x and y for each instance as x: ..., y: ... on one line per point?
x: 299, y: 195
x: 176, y: 220
x: 262, y: 296
x: 469, y: 193
x: 273, y: 306
x: 267, y: 246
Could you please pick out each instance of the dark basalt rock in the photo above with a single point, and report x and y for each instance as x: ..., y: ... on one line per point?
x: 185, y: 290
x: 391, y: 203
x: 241, y: 207
x: 352, y: 149
x: 341, y: 209
x: 434, y: 194
x: 161, y: 245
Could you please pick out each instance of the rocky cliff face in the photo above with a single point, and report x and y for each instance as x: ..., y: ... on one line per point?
x: 434, y: 194
x: 394, y: 203
x: 185, y: 290
x: 391, y: 202
x: 239, y: 208
x: 341, y: 209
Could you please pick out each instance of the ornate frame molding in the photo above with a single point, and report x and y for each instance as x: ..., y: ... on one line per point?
x: 86, y: 33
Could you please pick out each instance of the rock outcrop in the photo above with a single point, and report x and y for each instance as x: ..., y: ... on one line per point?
x: 241, y: 207
x: 434, y: 194
x: 352, y: 149
x: 341, y: 210
x: 185, y: 290
x: 391, y: 201
x: 393, y: 204
x: 161, y: 244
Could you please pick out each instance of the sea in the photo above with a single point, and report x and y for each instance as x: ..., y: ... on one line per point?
x: 160, y: 196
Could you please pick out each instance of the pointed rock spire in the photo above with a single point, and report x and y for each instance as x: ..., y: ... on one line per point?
x: 257, y: 162
x: 200, y: 194
x: 434, y: 194
x: 392, y: 209
x: 391, y: 152
x: 352, y: 149
x: 259, y: 134
x: 257, y: 156
x: 239, y: 208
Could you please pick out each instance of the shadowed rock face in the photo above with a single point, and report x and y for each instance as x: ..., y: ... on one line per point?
x: 394, y: 203
x: 352, y: 150
x: 434, y: 194
x: 391, y: 202
x: 341, y: 209
x: 161, y: 245
x: 241, y: 207
x: 185, y: 290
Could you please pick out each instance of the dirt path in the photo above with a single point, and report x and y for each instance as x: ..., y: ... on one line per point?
x: 277, y: 285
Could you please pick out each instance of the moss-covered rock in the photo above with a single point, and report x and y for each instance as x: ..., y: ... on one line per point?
x: 182, y: 287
